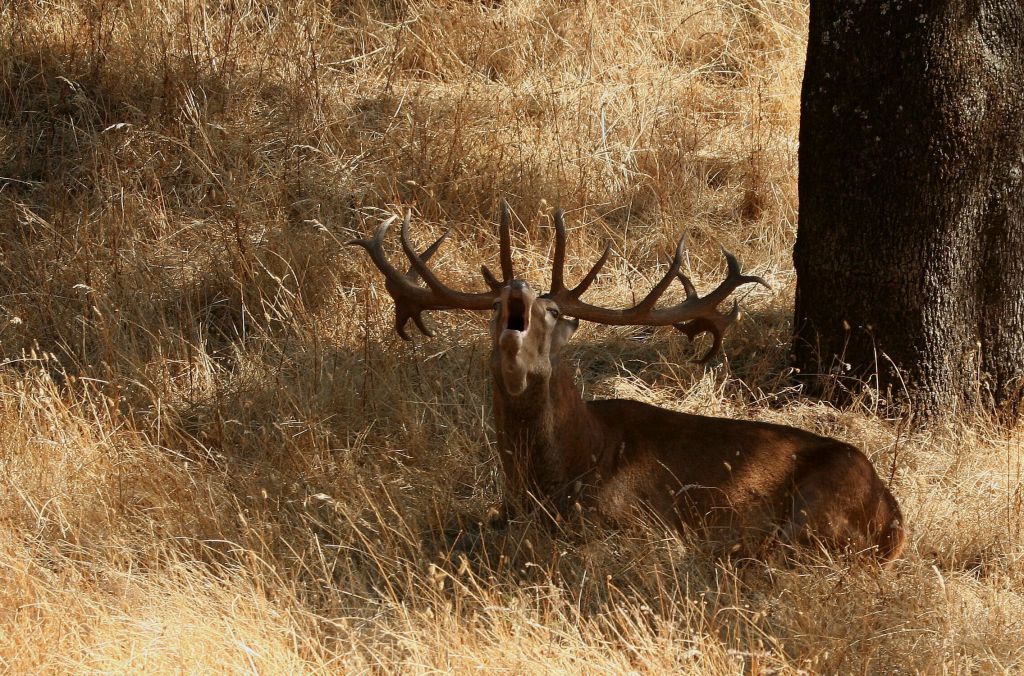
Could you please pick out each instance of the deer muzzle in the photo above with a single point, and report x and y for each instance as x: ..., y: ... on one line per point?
x: 515, y: 317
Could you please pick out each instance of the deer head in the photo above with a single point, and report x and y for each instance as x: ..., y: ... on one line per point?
x: 528, y: 328
x: 527, y: 331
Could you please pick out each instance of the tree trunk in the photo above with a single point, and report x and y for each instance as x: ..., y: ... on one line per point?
x: 910, y: 248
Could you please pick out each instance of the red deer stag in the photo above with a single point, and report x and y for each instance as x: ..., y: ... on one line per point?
x: 612, y: 457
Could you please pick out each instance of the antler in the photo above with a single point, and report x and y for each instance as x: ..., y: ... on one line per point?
x: 692, y: 316
x: 410, y: 299
x: 505, y: 236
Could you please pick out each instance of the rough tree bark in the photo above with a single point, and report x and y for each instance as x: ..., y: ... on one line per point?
x: 910, y: 246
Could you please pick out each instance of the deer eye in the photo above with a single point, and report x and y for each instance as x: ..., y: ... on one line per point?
x: 553, y: 311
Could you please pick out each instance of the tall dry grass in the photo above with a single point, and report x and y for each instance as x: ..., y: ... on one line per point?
x: 215, y: 455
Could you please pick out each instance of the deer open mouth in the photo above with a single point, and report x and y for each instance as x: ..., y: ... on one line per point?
x: 516, y: 316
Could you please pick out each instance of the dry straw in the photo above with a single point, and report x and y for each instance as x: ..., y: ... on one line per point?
x: 214, y: 454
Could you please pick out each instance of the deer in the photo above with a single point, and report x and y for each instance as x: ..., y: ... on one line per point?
x: 616, y: 458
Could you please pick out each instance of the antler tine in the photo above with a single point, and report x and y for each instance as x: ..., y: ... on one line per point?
x: 490, y: 278
x: 374, y: 247
x: 419, y: 266
x: 558, y: 264
x: 592, y: 275
x: 652, y: 297
x: 715, y: 325
x: 691, y: 290
x: 412, y: 275
x: 733, y: 280
x: 505, y: 234
x: 505, y: 238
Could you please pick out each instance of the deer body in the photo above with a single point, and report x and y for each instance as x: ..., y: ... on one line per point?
x: 616, y: 458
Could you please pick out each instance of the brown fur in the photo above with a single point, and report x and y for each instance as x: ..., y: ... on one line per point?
x: 618, y: 457
x: 615, y: 458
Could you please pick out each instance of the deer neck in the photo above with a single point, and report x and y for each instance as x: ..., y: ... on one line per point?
x: 547, y: 435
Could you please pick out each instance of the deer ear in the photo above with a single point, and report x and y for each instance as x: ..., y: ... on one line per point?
x: 564, y: 328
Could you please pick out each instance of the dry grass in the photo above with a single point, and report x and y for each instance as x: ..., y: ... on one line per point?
x: 214, y: 454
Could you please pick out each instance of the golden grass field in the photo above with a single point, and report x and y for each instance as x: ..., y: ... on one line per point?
x: 216, y: 456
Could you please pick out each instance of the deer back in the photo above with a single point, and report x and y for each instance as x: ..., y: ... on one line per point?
x: 711, y: 473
